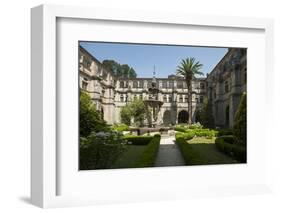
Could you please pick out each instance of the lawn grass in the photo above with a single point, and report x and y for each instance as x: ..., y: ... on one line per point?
x: 129, y: 157
x: 207, y: 151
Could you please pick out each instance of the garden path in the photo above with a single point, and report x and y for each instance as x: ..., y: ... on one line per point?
x: 169, y: 153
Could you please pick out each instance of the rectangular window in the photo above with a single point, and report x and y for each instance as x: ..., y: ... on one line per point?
x: 180, y: 84
x: 84, y: 85
x: 170, y: 98
x: 202, y: 86
x: 201, y: 98
x: 171, y: 84
x: 181, y: 99
x: 226, y: 87
x: 164, y: 84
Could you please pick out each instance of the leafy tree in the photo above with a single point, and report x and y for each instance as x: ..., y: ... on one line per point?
x: 207, y: 117
x: 138, y: 111
x: 125, y: 114
x: 90, y: 119
x: 240, y: 121
x: 134, y: 110
x: 120, y: 70
x: 188, y: 69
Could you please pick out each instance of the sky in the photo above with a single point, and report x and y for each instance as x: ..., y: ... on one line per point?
x: 142, y: 57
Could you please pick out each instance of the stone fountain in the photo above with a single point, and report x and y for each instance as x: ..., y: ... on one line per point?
x: 153, y: 103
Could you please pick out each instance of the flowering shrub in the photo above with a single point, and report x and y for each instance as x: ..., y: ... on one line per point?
x: 100, y: 150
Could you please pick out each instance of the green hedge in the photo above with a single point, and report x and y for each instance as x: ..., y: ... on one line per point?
x: 189, y: 155
x: 233, y: 150
x: 180, y: 129
x: 228, y: 139
x: 138, y: 140
x: 186, y: 135
x: 205, y: 133
x: 120, y: 127
x: 198, y: 132
x: 148, y: 157
x: 222, y: 132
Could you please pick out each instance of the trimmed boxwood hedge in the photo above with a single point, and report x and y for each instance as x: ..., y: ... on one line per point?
x: 189, y: 155
x: 198, y: 132
x: 180, y: 129
x: 222, y: 132
x: 233, y: 150
x: 138, y: 140
x: 149, y: 155
x: 228, y: 139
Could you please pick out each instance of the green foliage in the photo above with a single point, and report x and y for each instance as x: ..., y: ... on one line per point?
x: 100, y: 150
x: 120, y: 70
x: 90, y: 119
x: 148, y: 157
x: 180, y: 129
x: 138, y: 140
x: 240, y: 121
x: 222, y: 132
x: 120, y: 127
x: 207, y: 115
x: 186, y: 135
x: 188, y: 69
x: 228, y: 139
x: 234, y: 150
x: 125, y: 114
x: 196, y: 132
x: 136, y: 110
x: 188, y: 153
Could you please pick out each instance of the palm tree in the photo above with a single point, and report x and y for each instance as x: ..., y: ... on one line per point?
x: 188, y: 68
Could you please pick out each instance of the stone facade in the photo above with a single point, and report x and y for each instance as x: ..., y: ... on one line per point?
x: 110, y: 94
x: 225, y: 84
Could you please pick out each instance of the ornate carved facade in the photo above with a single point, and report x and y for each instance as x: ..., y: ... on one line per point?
x: 110, y: 94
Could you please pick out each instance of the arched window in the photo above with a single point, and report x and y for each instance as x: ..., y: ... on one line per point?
x: 183, y: 116
x: 121, y: 84
x: 202, y: 85
x: 226, y: 87
x: 135, y: 84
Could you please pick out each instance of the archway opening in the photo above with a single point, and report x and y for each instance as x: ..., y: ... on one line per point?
x: 183, y: 117
x: 167, y: 118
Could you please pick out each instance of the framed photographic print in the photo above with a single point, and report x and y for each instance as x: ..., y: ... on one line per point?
x: 136, y: 106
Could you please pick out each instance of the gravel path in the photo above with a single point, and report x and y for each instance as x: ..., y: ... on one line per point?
x: 169, y: 154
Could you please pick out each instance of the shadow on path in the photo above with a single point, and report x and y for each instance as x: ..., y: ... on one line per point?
x: 169, y: 153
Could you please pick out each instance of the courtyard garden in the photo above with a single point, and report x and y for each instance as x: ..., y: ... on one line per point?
x: 104, y: 146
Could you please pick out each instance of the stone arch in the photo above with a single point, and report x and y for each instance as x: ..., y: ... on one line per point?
x: 183, y: 116
x: 167, y: 118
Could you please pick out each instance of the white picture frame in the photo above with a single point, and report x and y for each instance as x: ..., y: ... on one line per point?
x: 44, y: 148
